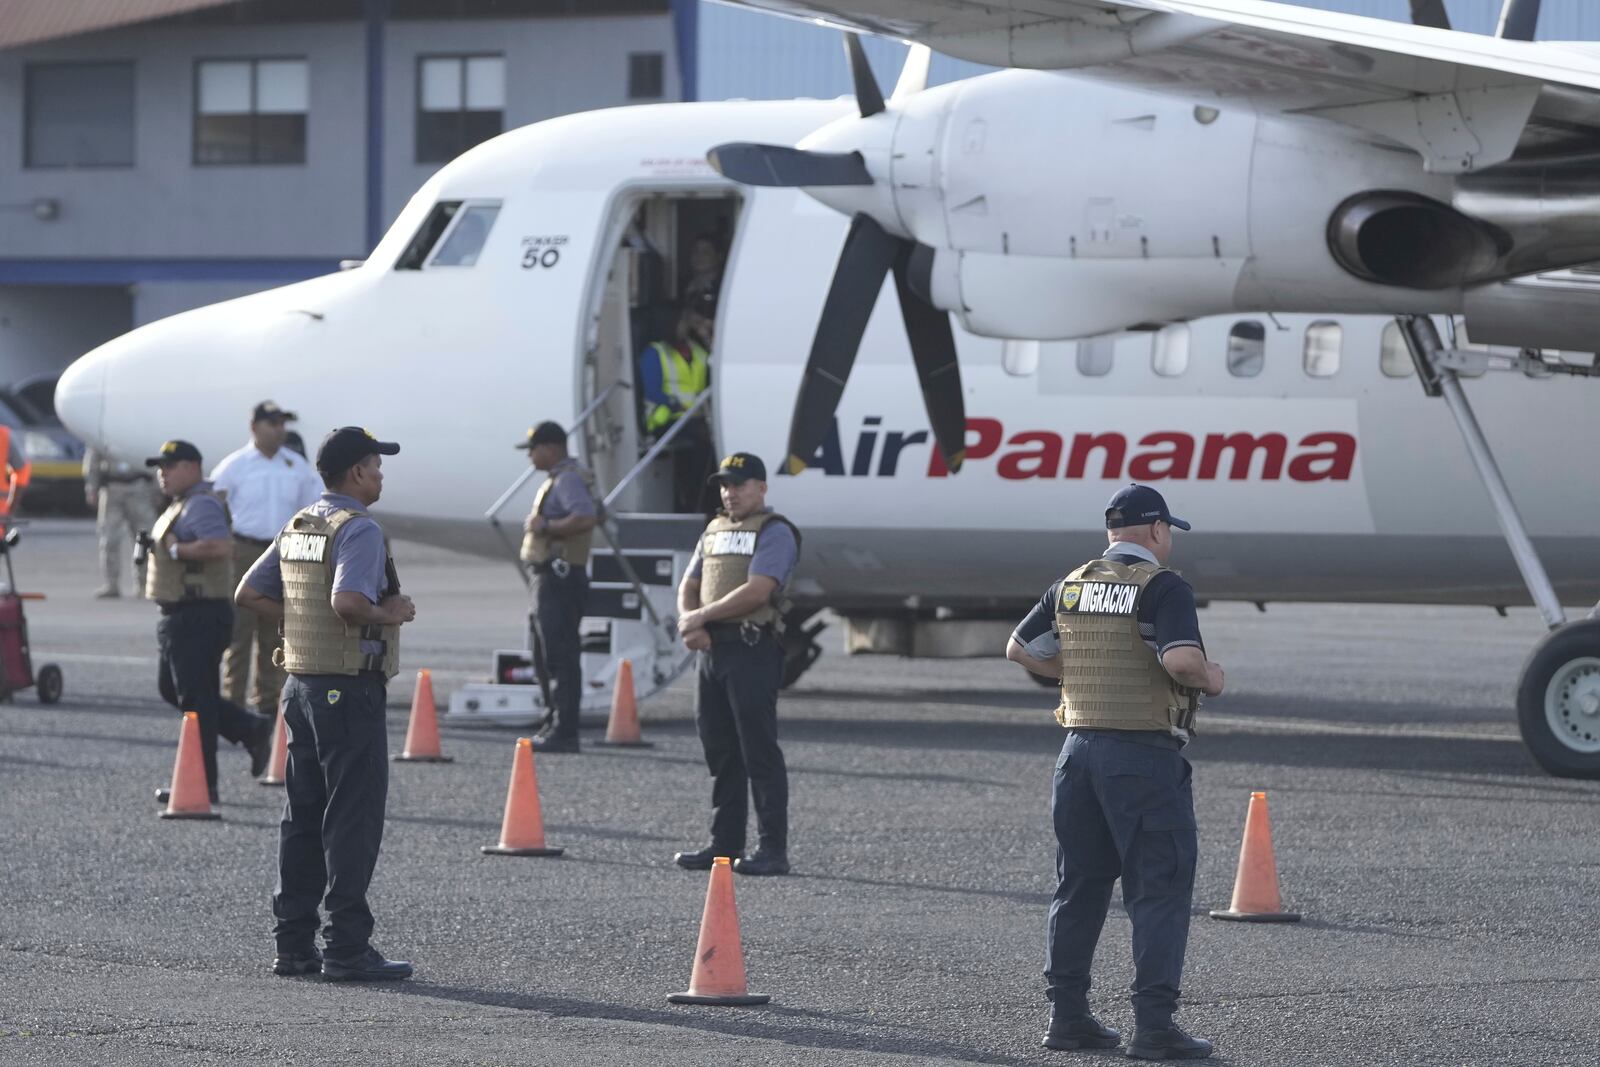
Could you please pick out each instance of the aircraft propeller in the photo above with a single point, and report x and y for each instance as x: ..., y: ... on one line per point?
x: 870, y: 253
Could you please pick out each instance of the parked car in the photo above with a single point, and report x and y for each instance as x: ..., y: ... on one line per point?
x: 55, y: 453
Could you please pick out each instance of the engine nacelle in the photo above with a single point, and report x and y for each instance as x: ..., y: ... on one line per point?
x: 1558, y: 312
x: 1412, y: 241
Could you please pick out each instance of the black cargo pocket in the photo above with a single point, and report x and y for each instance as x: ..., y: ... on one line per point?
x: 1168, y: 849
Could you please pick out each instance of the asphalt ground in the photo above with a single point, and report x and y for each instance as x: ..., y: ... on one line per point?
x: 1447, y: 885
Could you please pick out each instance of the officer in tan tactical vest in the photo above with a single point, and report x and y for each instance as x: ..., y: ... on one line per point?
x: 190, y: 577
x: 330, y: 578
x: 555, y: 548
x: 1121, y: 633
x: 730, y: 608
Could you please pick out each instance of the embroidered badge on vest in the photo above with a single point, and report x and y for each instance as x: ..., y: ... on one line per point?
x: 1103, y: 598
x: 1069, y: 596
x: 333, y: 697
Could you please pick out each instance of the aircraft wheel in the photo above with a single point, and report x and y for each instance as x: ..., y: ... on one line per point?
x: 48, y: 684
x: 1558, y: 701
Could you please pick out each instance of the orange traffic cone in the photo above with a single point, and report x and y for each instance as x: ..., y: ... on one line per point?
x: 190, y: 797
x: 1255, y: 888
x: 279, y: 764
x: 718, y: 975
x: 422, y: 735
x: 522, y: 829
x: 622, y: 729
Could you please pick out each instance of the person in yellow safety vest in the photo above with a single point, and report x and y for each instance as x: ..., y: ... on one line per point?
x: 672, y: 376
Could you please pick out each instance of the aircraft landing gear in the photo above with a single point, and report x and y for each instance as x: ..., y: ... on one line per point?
x: 801, y: 648
x: 1558, y: 696
x: 1558, y: 702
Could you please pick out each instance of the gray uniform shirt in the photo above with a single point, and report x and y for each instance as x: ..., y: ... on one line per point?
x: 203, y: 518
x: 358, y: 558
x: 775, y: 555
x: 569, y: 494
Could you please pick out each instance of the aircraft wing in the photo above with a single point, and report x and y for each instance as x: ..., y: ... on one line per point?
x: 1463, y: 101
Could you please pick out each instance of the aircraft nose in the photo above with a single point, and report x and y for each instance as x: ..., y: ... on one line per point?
x: 81, y: 394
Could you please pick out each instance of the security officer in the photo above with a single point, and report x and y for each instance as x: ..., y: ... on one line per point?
x: 123, y: 497
x: 555, y: 547
x: 730, y: 608
x: 189, y: 575
x: 1122, y: 635
x: 265, y: 484
x: 330, y: 578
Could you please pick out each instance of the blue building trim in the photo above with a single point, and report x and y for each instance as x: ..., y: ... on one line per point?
x: 376, y: 13
x: 134, y: 271
x: 686, y: 30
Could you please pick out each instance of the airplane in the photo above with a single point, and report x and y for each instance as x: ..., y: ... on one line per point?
x: 1235, y: 250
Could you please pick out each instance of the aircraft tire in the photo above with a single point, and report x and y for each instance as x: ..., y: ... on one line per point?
x: 1558, y: 701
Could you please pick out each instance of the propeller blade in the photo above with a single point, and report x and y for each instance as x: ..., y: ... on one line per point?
x: 869, y: 98
x: 868, y: 254
x: 933, y: 348
x: 1430, y: 13
x: 785, y: 167
x: 1519, y: 20
x: 914, y: 75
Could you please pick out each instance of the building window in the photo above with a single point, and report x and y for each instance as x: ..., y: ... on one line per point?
x: 78, y: 115
x: 1394, y: 356
x: 250, y: 111
x: 1170, y: 354
x: 646, y: 76
x: 461, y: 102
x: 1019, y: 358
x: 1324, y: 342
x: 1247, y: 349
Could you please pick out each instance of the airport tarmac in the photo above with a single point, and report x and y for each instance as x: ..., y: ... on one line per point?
x: 1448, y: 886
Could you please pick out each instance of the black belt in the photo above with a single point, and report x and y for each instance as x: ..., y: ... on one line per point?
x: 257, y: 541
x: 168, y: 607
x: 558, y: 567
x: 746, y: 632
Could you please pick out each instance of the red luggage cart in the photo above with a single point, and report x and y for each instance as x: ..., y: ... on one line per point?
x: 16, y: 664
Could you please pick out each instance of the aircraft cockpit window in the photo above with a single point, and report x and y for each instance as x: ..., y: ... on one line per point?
x: 465, y: 240
x: 1169, y: 356
x: 1394, y: 358
x: 1247, y: 349
x: 428, y: 234
x: 1094, y: 356
x: 1324, y: 342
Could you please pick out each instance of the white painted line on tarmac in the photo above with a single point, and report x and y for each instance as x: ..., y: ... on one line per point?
x: 1351, y: 729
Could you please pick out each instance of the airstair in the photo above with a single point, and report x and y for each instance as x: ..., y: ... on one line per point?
x: 634, y: 570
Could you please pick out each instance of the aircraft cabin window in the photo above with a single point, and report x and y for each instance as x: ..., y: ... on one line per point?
x: 1394, y: 358
x: 428, y: 234
x: 1169, y: 357
x: 1247, y: 349
x: 1094, y: 356
x: 1019, y: 358
x: 1324, y: 343
x: 465, y: 239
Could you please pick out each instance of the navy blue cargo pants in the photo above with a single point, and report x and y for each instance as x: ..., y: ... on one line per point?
x: 559, y: 601
x: 1121, y: 809
x: 337, y: 783
x: 192, y: 636
x: 736, y: 715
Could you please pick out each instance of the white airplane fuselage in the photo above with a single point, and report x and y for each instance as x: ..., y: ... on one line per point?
x: 1351, y: 486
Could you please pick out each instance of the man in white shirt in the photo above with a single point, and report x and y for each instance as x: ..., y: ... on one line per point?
x: 265, y: 484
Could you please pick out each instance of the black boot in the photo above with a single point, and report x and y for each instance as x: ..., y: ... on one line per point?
x: 1168, y: 1042
x: 763, y: 861
x: 1079, y: 1031
x: 290, y: 964
x: 370, y: 966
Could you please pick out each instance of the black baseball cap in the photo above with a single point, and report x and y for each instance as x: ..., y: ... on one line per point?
x: 268, y: 410
x: 546, y: 433
x: 348, y: 445
x: 1139, y: 505
x: 174, y: 452
x: 740, y: 467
